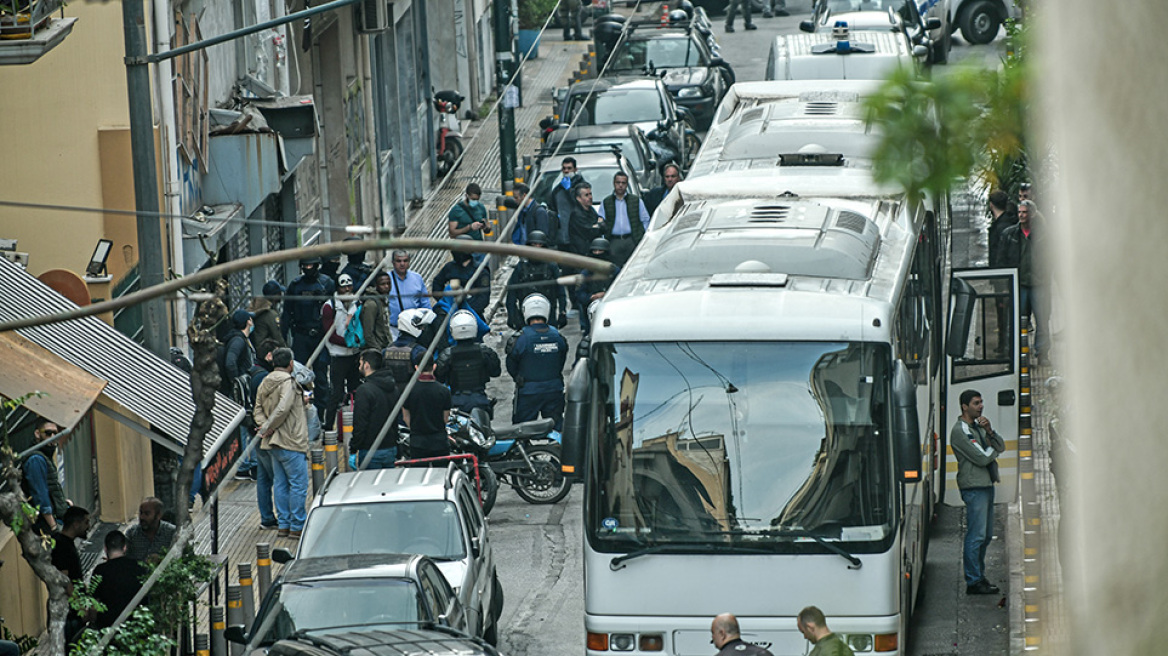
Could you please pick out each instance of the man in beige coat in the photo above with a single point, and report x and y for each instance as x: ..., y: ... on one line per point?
x: 283, y: 432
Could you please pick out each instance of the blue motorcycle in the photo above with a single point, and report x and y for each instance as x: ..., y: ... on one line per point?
x: 525, y: 456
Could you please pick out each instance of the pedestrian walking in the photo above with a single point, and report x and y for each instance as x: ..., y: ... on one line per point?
x: 121, y: 578
x: 468, y: 365
x: 739, y: 5
x: 572, y: 18
x: 772, y: 8
x: 625, y: 219
x: 1019, y: 245
x: 267, y: 315
x: 335, y: 315
x: 535, y: 277
x: 671, y: 175
x: 725, y: 636
x: 813, y: 625
x: 426, y: 412
x: 152, y: 535
x: 301, y: 321
x: 375, y: 312
x: 536, y: 363
x: 372, y: 404
x: 40, y: 481
x: 468, y: 216
x: 280, y: 413
x: 976, y: 447
x: 407, y: 289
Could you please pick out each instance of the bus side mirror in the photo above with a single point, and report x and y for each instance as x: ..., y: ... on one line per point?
x: 575, y: 433
x: 964, y: 300
x: 906, y: 427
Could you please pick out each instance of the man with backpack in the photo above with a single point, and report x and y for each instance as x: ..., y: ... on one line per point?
x: 525, y: 280
x: 374, y: 313
x: 335, y: 316
x: 532, y: 216
x: 236, y: 357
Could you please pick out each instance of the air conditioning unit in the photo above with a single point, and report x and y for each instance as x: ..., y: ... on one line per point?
x: 376, y: 16
x: 17, y: 258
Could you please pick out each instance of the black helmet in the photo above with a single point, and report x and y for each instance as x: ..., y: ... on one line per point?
x: 678, y: 16
x: 599, y: 244
x: 687, y: 7
x: 536, y: 237
x: 309, y: 261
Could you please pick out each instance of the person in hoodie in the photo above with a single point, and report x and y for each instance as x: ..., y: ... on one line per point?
x: 456, y: 275
x: 372, y: 404
x: 335, y: 315
x: 267, y: 315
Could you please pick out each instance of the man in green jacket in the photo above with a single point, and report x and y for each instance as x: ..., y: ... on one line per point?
x: 977, y: 447
x: 813, y: 625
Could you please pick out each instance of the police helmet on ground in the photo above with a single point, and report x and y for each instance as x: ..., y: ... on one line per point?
x: 463, y: 325
x: 414, y: 320
x: 599, y: 244
x: 536, y: 238
x: 536, y: 306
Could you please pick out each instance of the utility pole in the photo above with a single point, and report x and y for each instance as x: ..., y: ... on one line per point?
x: 504, y: 69
x: 155, y: 323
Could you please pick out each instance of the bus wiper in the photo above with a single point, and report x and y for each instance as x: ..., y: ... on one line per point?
x: 682, y: 547
x: 856, y: 563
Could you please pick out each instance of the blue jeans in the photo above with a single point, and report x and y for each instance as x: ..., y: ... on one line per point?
x: 264, y: 477
x: 249, y: 462
x: 382, y: 458
x: 979, y: 529
x: 1032, y: 300
x: 290, y: 475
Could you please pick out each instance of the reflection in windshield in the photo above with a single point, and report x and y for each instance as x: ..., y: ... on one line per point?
x: 727, y: 441
x: 343, y: 605
x: 430, y: 528
x: 617, y: 106
x: 661, y: 53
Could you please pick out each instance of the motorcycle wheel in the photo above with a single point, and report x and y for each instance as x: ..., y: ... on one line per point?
x: 490, y: 487
x: 548, y: 485
x: 453, y: 152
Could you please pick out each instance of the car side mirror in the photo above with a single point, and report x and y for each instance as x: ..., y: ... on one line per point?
x: 476, y: 546
x: 236, y: 633
x: 807, y: 26
x: 933, y: 23
x: 282, y: 555
x: 443, y: 620
x: 919, y: 51
x: 906, y: 427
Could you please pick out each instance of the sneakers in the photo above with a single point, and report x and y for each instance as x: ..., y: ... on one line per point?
x: 729, y: 30
x: 782, y: 12
x: 982, y: 587
x: 295, y: 535
x: 269, y: 527
x: 750, y: 26
x: 245, y: 475
x: 282, y: 533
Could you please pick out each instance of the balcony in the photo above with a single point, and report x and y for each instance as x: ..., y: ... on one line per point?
x: 28, y: 29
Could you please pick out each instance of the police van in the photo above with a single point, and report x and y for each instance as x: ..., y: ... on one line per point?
x: 842, y: 55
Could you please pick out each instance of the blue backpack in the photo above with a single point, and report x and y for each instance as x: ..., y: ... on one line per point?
x: 354, y: 332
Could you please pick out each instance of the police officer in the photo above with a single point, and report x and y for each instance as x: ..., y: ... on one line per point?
x: 467, y: 365
x: 301, y: 320
x: 594, y: 286
x: 408, y: 347
x: 536, y: 362
x: 522, y: 284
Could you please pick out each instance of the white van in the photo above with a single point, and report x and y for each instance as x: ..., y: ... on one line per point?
x: 861, y: 55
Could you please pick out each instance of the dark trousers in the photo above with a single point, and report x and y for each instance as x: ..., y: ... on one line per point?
x: 533, y: 406
x: 345, y: 378
x: 467, y: 401
x: 733, y: 11
x: 303, y: 344
x: 622, y: 249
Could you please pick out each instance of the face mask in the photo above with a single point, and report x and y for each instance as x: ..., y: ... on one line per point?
x: 565, y: 183
x: 476, y: 204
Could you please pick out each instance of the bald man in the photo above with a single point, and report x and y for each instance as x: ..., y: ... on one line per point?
x: 724, y: 632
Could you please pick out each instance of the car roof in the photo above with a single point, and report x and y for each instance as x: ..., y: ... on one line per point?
x: 608, y: 130
x: 351, y: 566
x: 386, y: 485
x: 619, y: 81
x: 402, y: 642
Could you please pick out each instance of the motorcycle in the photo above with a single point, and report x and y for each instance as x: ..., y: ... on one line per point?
x: 449, y: 145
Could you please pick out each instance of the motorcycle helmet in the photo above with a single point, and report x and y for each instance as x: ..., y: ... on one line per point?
x: 687, y: 7
x: 536, y: 306
x: 536, y: 238
x: 678, y: 16
x: 463, y: 326
x: 599, y: 244
x: 414, y: 320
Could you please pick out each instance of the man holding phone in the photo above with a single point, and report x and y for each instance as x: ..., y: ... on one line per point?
x: 977, y: 447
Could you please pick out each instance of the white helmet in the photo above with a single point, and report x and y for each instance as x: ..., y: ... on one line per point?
x: 536, y: 305
x: 414, y: 320
x: 463, y: 325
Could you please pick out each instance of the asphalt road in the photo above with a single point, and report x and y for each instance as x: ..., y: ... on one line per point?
x: 538, y: 548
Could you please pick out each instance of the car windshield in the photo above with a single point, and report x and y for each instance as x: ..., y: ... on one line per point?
x: 741, y: 444
x: 430, y: 528
x: 638, y: 54
x: 600, y: 177
x: 337, y: 606
x: 627, y: 145
x: 617, y: 106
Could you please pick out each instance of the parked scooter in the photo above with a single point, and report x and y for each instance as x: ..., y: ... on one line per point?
x: 449, y: 144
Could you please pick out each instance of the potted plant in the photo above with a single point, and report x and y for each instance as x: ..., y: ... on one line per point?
x: 532, y: 15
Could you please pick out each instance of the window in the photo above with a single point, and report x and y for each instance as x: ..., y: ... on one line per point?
x: 990, y: 349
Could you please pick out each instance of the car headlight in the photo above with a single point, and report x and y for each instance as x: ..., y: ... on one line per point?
x: 690, y: 92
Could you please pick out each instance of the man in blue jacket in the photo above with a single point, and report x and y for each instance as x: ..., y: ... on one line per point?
x: 536, y: 362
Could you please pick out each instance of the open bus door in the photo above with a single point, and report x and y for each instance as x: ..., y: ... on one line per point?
x: 990, y: 365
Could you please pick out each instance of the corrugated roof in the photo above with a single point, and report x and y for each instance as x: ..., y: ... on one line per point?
x: 141, y: 382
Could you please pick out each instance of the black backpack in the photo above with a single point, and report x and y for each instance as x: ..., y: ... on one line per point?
x: 399, y: 360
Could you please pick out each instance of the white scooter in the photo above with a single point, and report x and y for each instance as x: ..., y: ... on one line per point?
x: 449, y: 145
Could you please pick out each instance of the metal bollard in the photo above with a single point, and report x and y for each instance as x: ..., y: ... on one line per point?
x: 247, y: 593
x: 317, y: 469
x: 202, y: 644
x: 330, y: 450
x: 218, y: 626
x: 518, y: 174
x: 346, y: 419
x: 235, y: 615
x: 264, y: 567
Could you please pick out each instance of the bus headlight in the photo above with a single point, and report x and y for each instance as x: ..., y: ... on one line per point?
x: 859, y: 641
x: 652, y: 642
x: 622, y: 641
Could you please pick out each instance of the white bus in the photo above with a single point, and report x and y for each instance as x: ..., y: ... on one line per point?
x: 760, y: 423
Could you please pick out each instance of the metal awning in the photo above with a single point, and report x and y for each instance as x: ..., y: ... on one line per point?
x: 154, y: 394
x: 67, y: 391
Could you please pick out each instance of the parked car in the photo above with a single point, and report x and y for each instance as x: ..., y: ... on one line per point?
x: 318, y: 596
x: 597, y: 169
x: 980, y: 20
x: 435, y: 642
x: 424, y: 510
x: 641, y: 101
x: 684, y: 56
x: 629, y: 138
x: 927, y: 24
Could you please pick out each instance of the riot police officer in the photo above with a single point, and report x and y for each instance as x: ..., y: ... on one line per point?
x: 536, y: 362
x: 524, y: 282
x: 467, y: 365
x: 594, y: 286
x: 301, y: 320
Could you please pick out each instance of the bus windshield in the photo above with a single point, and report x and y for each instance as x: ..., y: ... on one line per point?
x: 766, y: 445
